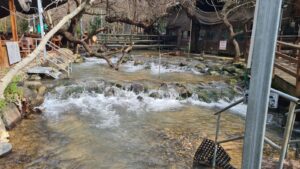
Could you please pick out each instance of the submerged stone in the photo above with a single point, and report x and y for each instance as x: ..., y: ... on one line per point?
x: 5, y: 148
x: 138, y: 62
x: 155, y: 95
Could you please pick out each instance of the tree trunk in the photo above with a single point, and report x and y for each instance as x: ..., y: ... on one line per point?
x: 13, y: 71
x: 237, y: 50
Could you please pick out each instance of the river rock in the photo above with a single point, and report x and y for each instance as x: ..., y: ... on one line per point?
x: 199, y: 58
x: 138, y: 62
x: 200, y: 67
x: 214, y: 73
x: 29, y: 93
x: 33, y: 84
x: 239, y: 65
x: 155, y: 95
x: 37, y: 101
x: 109, y: 92
x: 34, y: 77
x: 182, y: 64
x: 230, y: 69
x: 140, y: 98
x: 163, y: 86
x: 42, y: 90
x: 127, y: 58
x: 137, y: 88
x: 3, y: 133
x: 148, y: 66
x: 11, y: 116
x: 183, y: 91
x: 5, y: 148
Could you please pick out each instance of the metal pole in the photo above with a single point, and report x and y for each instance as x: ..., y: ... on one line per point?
x: 216, y: 141
x: 40, y: 11
x: 287, y: 133
x: 265, y: 37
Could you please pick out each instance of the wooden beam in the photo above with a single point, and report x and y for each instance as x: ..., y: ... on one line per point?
x: 287, y: 57
x: 286, y: 70
x: 13, y: 20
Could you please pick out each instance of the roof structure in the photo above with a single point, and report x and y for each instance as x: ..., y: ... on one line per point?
x: 27, y: 6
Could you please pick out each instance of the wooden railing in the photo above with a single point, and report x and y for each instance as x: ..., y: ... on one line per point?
x: 291, y: 56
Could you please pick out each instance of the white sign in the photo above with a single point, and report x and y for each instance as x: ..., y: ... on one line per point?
x: 273, y: 100
x: 223, y: 45
x: 13, y: 51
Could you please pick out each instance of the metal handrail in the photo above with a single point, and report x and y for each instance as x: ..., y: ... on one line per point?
x: 287, y: 134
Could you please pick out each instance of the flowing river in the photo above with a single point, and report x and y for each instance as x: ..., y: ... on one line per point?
x: 101, y: 118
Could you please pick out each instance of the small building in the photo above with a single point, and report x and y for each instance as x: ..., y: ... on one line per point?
x: 209, y: 34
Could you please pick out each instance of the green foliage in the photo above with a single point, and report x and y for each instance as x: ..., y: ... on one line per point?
x: 23, y: 25
x: 2, y: 104
x: 95, y: 24
x: 13, y: 92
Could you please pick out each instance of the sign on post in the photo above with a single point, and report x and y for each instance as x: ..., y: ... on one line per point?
x: 13, y: 51
x: 223, y: 45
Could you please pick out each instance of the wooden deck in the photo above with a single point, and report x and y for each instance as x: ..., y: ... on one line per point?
x: 286, y: 75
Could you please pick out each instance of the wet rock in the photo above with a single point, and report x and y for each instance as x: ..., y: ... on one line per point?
x: 118, y: 85
x: 138, y: 62
x: 34, y: 77
x: 183, y: 91
x: 214, y: 73
x: 148, y: 66
x: 5, y: 148
x: 137, y: 88
x: 79, y: 60
x: 230, y: 69
x: 11, y: 116
x: 29, y: 93
x: 109, y: 92
x: 232, y: 82
x: 42, y: 90
x: 3, y: 133
x: 155, y: 95
x: 127, y: 58
x: 38, y: 101
x: 140, y: 98
x: 182, y: 64
x: 203, y: 96
x: 163, y: 86
x: 239, y: 65
x: 201, y: 67
x: 199, y: 58
x: 33, y: 84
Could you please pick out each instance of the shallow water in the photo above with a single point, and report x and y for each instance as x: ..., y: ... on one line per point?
x: 87, y: 129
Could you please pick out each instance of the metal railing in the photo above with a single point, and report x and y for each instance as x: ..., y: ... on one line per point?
x: 66, y: 59
x: 291, y: 116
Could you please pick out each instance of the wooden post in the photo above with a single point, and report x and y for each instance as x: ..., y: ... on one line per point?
x: 298, y: 77
x: 12, y: 10
x: 3, y: 56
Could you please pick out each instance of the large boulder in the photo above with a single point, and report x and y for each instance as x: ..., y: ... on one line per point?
x: 11, y: 116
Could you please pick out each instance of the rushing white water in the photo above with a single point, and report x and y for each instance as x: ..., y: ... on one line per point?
x: 106, y: 109
x: 154, y: 67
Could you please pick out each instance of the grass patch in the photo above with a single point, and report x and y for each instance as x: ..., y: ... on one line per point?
x: 13, y: 92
